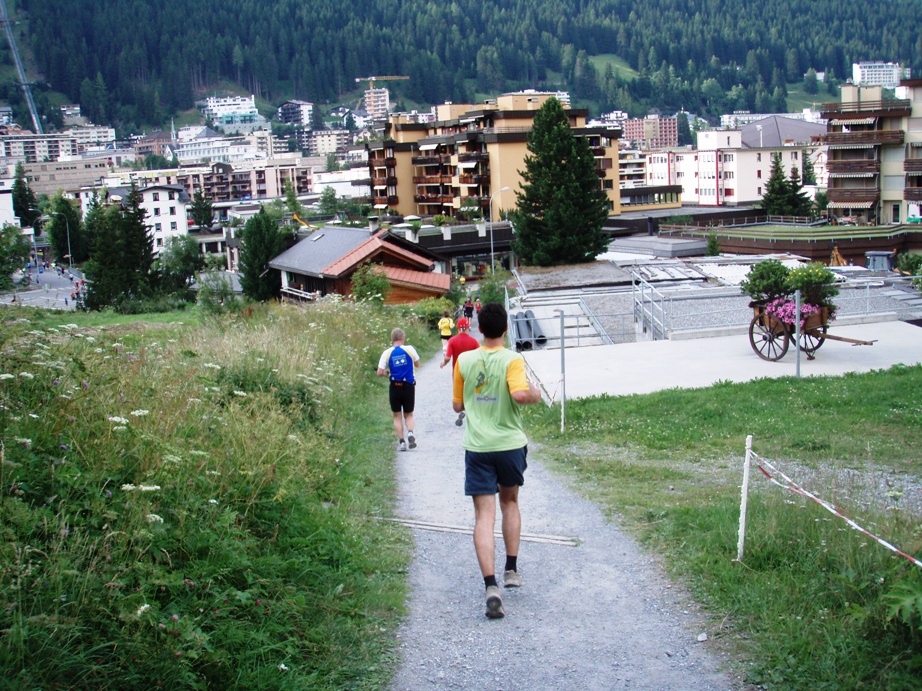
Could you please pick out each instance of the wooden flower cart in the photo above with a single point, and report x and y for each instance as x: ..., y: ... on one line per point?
x: 770, y: 337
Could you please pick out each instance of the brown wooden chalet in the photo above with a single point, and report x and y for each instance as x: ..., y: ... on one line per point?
x: 324, y: 261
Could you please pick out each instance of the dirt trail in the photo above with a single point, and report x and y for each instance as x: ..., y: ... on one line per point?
x: 595, y: 612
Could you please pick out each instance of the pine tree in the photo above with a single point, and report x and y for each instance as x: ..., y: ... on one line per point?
x: 65, y: 231
x: 25, y: 205
x: 776, y: 198
x: 138, y: 247
x: 799, y: 204
x: 106, y: 267
x: 561, y: 207
x: 262, y: 241
x: 201, y: 210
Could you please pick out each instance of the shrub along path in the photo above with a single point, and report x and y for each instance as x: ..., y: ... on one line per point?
x: 595, y: 611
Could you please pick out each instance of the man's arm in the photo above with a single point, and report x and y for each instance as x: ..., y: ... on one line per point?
x: 457, y: 390
x: 522, y: 391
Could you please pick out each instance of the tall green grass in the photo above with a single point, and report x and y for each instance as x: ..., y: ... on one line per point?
x: 195, y: 506
x: 814, y: 604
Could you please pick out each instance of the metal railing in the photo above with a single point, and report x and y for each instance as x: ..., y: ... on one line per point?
x: 649, y: 308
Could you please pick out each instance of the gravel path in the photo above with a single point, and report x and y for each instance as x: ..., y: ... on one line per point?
x: 595, y: 613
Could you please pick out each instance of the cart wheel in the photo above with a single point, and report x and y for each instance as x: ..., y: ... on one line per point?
x: 812, y: 339
x: 768, y: 337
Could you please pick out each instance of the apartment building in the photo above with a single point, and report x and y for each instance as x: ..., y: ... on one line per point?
x: 33, y: 148
x: 722, y: 171
x: 471, y: 155
x: 164, y: 206
x: 68, y: 176
x: 651, y: 132
x: 879, y: 73
x: 155, y: 143
x: 875, y: 153
x: 377, y: 103
x: 638, y: 192
x: 296, y: 113
x: 323, y: 142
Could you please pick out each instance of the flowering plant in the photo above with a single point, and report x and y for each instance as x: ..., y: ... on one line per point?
x: 785, y: 310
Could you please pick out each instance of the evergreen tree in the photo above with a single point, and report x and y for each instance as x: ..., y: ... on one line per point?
x: 14, y: 253
x: 25, y: 205
x: 292, y: 203
x: 262, y: 241
x: 776, y: 197
x: 799, y: 204
x: 685, y: 133
x: 201, y: 210
x: 65, y: 232
x: 809, y: 176
x: 138, y: 247
x: 179, y: 261
x: 561, y: 207
x: 106, y: 268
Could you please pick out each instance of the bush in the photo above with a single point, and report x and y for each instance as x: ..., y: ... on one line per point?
x: 766, y: 281
x: 370, y: 283
x: 816, y: 284
x: 493, y: 288
x: 432, y: 309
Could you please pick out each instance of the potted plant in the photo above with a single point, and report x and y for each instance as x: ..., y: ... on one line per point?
x: 766, y: 282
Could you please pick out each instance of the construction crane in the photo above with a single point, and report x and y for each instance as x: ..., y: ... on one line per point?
x: 386, y: 78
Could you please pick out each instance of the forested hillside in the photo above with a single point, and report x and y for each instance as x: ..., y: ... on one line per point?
x: 132, y: 62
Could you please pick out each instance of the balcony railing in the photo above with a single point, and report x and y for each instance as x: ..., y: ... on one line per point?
x: 427, y: 180
x: 390, y: 201
x: 853, y: 166
x: 853, y: 194
x: 474, y: 179
x: 868, y: 137
x: 473, y: 156
x: 912, y: 194
x: 433, y: 198
x: 426, y: 160
x: 912, y: 165
x: 891, y: 108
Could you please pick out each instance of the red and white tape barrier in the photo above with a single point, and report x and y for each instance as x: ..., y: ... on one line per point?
x: 792, y: 486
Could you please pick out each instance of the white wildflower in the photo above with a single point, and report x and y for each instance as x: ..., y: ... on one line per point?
x: 149, y: 488
x: 196, y: 452
x: 117, y: 344
x: 27, y: 375
x: 283, y: 667
x: 128, y: 488
x: 140, y: 413
x: 91, y: 339
x: 120, y: 420
x: 211, y: 365
x: 154, y: 518
x: 212, y: 472
x: 33, y: 416
x: 142, y: 609
x: 294, y: 438
x: 6, y: 375
x: 240, y: 393
x: 170, y: 458
x: 212, y: 501
x: 194, y: 400
x: 119, y: 428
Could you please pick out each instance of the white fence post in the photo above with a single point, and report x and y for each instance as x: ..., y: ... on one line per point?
x: 744, y: 501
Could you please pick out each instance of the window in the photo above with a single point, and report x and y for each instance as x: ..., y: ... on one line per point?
x: 159, y: 242
x: 728, y: 192
x: 156, y: 211
x: 158, y: 228
x: 758, y: 157
x: 793, y: 155
x: 172, y: 211
x: 759, y: 174
x: 171, y: 195
x: 156, y: 196
x: 173, y: 226
x: 759, y: 191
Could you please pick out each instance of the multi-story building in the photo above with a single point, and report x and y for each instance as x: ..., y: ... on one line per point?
x: 722, y: 172
x: 51, y: 177
x: 472, y: 155
x: 164, y: 208
x: 377, y: 103
x: 323, y: 142
x: 32, y: 148
x: 652, y: 132
x: 155, y: 143
x: 875, y: 153
x: 209, y: 146
x: 638, y: 191
x: 885, y: 74
x: 296, y: 113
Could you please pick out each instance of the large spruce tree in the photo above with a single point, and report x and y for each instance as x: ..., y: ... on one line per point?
x: 262, y: 242
x: 776, y: 198
x: 561, y: 207
x: 25, y: 204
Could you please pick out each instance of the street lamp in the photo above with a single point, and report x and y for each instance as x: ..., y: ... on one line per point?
x: 492, y: 259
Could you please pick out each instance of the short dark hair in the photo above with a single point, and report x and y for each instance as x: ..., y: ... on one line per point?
x: 492, y: 320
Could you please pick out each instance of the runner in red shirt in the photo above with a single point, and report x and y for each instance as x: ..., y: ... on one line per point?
x: 460, y: 343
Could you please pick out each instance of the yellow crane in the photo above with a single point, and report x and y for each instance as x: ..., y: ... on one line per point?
x: 386, y: 78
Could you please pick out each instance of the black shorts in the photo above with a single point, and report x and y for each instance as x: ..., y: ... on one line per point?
x: 487, y: 470
x: 402, y: 396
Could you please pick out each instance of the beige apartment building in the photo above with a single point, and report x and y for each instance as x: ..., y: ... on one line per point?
x: 472, y: 155
x: 875, y: 153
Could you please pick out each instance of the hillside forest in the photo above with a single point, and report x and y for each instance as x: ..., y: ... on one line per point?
x: 131, y: 63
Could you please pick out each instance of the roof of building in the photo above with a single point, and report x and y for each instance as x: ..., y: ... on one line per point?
x: 777, y: 131
x: 320, y: 249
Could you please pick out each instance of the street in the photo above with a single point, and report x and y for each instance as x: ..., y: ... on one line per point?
x: 51, y: 290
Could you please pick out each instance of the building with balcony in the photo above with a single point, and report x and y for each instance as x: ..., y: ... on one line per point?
x: 296, y: 113
x: 651, y: 132
x: 454, y: 165
x: 638, y: 190
x: 879, y: 73
x: 875, y: 154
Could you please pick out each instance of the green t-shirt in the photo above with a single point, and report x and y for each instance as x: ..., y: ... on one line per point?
x: 494, y: 420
